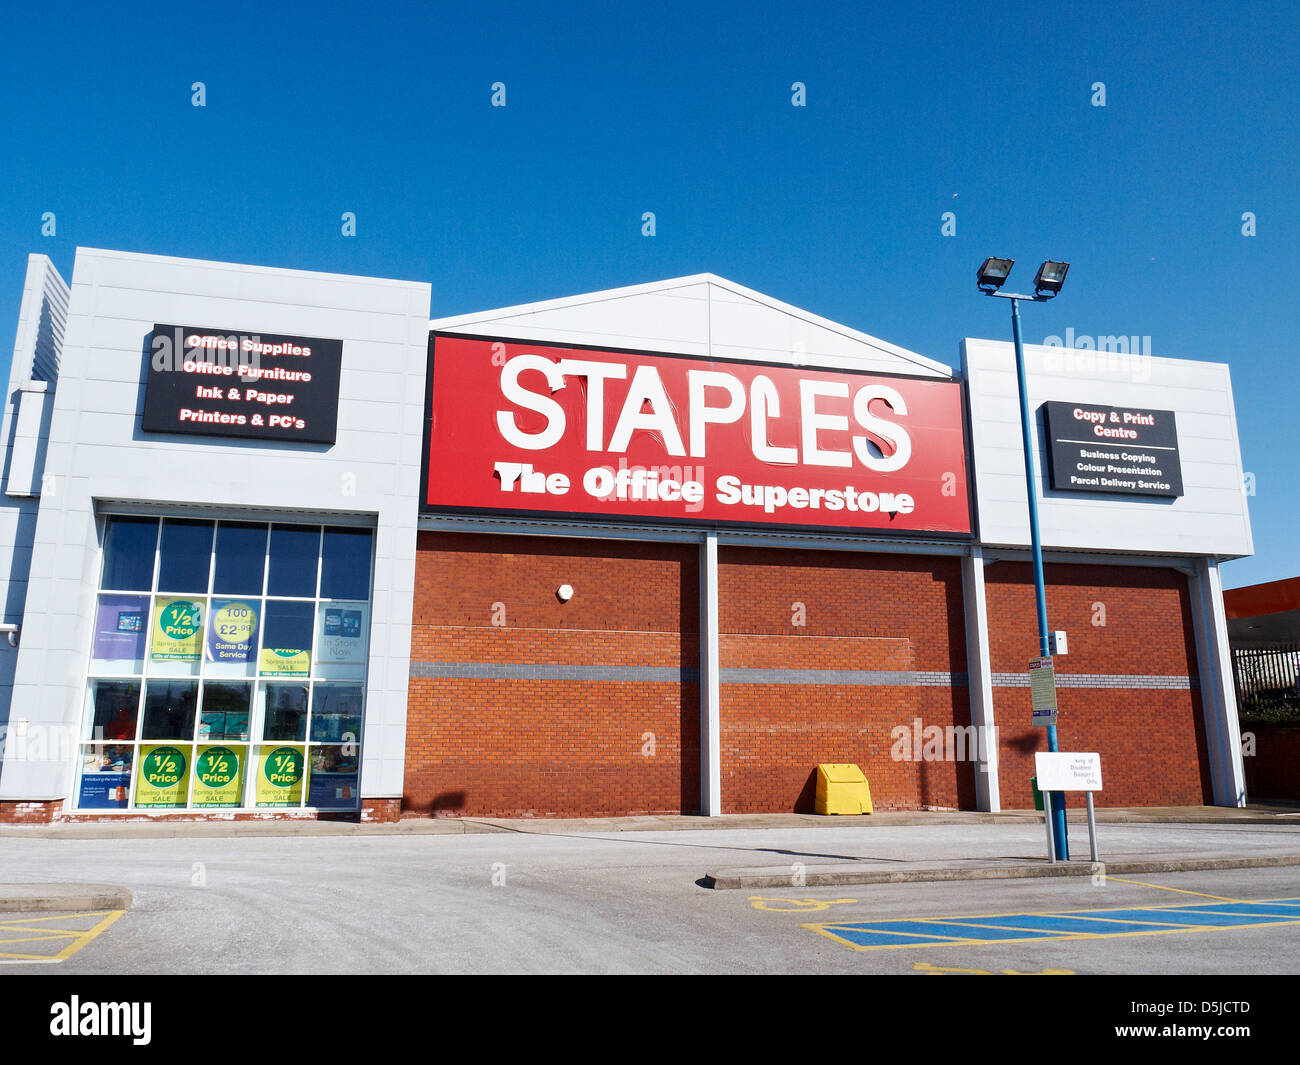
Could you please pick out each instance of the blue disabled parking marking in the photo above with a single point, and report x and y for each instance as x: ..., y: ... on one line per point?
x: 1263, y: 909
x: 870, y: 937
x: 1183, y: 917
x: 1048, y: 927
x: 941, y: 929
x: 975, y: 928
x: 1059, y: 923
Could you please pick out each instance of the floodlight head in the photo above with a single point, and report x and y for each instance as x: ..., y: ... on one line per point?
x: 993, y: 273
x: 1050, y: 278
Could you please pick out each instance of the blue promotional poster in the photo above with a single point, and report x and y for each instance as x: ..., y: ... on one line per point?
x: 232, y: 635
x: 332, y: 784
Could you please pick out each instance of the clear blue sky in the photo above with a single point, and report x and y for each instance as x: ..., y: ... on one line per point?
x: 685, y: 110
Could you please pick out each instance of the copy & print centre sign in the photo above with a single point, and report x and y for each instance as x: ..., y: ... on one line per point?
x: 1124, y: 450
x: 533, y: 428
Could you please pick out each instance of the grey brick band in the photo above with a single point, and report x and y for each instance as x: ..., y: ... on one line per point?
x: 910, y: 678
x: 1101, y: 680
x: 550, y: 671
x: 684, y: 674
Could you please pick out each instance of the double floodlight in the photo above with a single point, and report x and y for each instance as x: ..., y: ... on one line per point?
x: 1050, y: 278
x: 993, y: 274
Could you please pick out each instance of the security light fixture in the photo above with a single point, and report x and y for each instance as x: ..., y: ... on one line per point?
x: 993, y: 273
x: 1050, y: 278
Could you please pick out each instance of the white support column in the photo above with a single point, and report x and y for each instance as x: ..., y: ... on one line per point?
x: 980, y: 680
x: 1218, y: 693
x: 710, y: 687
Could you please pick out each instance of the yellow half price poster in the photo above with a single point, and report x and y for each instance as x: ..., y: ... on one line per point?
x: 285, y: 662
x: 177, y: 630
x: 163, y: 778
x: 280, y: 775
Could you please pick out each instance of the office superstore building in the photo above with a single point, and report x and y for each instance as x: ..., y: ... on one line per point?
x: 275, y: 545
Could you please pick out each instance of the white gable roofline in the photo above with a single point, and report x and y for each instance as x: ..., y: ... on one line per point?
x: 499, y: 320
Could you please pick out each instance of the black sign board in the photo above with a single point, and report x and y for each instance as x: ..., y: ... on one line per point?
x: 221, y: 382
x: 1113, y: 449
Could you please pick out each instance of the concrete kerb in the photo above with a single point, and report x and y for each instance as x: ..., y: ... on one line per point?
x: 841, y: 876
x: 164, y: 828
x: 62, y: 898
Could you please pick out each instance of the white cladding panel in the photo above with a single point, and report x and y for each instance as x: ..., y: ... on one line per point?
x: 1210, y: 518
x: 99, y: 456
x: 42, y: 319
x: 35, y: 403
x: 699, y: 315
x: 38, y: 344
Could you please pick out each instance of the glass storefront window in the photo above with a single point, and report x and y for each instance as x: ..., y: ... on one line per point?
x: 281, y: 774
x: 234, y: 628
x: 345, y: 564
x: 176, y: 635
x: 169, y: 708
x: 105, y: 779
x: 219, y: 775
x: 129, y: 546
x: 294, y: 559
x: 240, y: 558
x: 121, y: 633
x: 163, y: 776
x: 227, y: 666
x: 224, y: 714
x: 111, y: 709
x: 333, y: 776
x: 336, y: 713
x: 284, y: 711
x: 286, y: 643
x: 342, y: 631
x: 184, y: 556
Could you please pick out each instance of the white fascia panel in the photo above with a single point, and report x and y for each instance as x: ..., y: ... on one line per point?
x: 1210, y: 519
x: 697, y: 315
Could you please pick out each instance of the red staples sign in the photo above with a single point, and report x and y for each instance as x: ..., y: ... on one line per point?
x: 542, y: 429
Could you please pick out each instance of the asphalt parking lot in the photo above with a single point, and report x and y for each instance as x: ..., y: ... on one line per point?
x: 634, y: 902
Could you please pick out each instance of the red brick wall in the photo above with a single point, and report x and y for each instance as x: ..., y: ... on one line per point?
x: 1273, y: 771
x: 518, y: 748
x: 186, y: 816
x: 860, y: 611
x: 524, y: 747
x: 378, y: 811
x: 1151, y: 741
x: 26, y: 812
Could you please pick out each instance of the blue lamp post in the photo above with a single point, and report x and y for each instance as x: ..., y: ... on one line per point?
x: 991, y: 277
